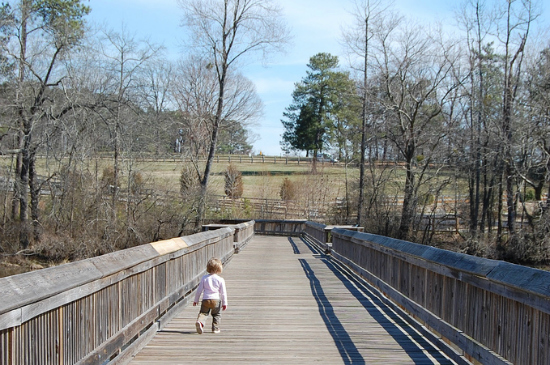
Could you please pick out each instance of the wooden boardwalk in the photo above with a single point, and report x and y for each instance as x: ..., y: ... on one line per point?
x: 291, y: 305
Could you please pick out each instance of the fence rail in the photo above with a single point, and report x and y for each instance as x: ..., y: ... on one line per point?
x: 101, y: 309
x: 274, y: 227
x: 175, y: 157
x: 493, y: 311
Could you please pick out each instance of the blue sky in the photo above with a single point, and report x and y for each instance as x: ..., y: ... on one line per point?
x: 316, y: 27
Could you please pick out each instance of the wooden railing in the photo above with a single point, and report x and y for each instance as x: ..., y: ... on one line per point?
x: 321, y: 234
x: 102, y: 309
x: 273, y: 227
x: 494, y: 312
x: 243, y: 232
x: 279, y: 227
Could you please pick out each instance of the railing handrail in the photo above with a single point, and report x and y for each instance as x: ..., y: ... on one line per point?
x: 126, y: 295
x: 466, y: 299
x: 530, y: 282
x: 20, y: 290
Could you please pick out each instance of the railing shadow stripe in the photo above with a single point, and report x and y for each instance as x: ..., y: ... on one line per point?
x: 344, y: 343
x: 297, y: 250
x: 419, y: 349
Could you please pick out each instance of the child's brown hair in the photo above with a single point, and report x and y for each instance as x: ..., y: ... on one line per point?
x: 214, y: 266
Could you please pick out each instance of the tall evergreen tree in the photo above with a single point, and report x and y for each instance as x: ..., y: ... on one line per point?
x: 316, y: 104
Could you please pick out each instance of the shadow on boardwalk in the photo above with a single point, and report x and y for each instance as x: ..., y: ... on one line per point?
x: 417, y: 348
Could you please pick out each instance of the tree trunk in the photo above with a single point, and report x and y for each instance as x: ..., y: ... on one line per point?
x: 35, y: 196
x: 24, y: 133
x: 499, y: 209
x: 17, y: 181
x: 361, y: 203
x: 212, y: 150
x: 508, y: 158
x: 23, y: 190
x: 477, y: 143
x: 407, y: 213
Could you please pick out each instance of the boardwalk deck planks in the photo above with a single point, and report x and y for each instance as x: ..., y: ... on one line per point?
x: 289, y: 305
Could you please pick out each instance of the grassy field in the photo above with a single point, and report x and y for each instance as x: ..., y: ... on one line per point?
x: 261, y: 179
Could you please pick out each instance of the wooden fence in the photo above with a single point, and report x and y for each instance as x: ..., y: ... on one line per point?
x: 102, y: 309
x: 322, y: 234
x: 494, y: 312
x: 219, y: 158
x: 243, y: 232
x: 273, y: 227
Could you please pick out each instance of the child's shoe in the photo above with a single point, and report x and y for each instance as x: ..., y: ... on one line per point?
x: 215, y: 330
x: 199, y: 327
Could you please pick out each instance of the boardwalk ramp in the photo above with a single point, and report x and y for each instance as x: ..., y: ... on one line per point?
x: 291, y: 304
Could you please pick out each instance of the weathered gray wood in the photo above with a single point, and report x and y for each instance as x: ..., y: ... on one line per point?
x: 88, y: 311
x: 478, y: 304
x: 10, y: 319
x: 491, y: 304
x: 455, y: 335
x: 136, y: 346
x: 288, y: 305
x: 22, y: 289
x: 278, y: 227
x: 525, y: 278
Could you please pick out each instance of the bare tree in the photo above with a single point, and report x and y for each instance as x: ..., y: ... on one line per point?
x: 123, y: 59
x: 39, y: 36
x: 368, y: 15
x: 156, y: 100
x: 226, y: 32
x: 516, y: 19
x: 413, y: 69
x: 475, y: 18
x: 195, y: 93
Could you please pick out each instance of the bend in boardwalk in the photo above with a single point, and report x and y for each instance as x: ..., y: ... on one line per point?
x: 289, y: 304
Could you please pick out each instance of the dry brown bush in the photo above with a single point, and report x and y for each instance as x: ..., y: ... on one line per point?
x: 288, y: 190
x: 233, y: 182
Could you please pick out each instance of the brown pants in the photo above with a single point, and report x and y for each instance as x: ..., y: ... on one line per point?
x: 214, y: 307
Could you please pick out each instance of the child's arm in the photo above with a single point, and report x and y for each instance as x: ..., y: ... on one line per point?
x: 223, y: 295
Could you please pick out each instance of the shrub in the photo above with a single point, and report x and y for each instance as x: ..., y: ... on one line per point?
x: 288, y: 190
x: 108, y: 177
x: 189, y: 180
x: 426, y: 199
x: 233, y: 182
x: 136, y: 182
x: 529, y: 195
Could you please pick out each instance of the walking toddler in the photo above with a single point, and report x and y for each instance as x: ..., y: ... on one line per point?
x: 214, y: 298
